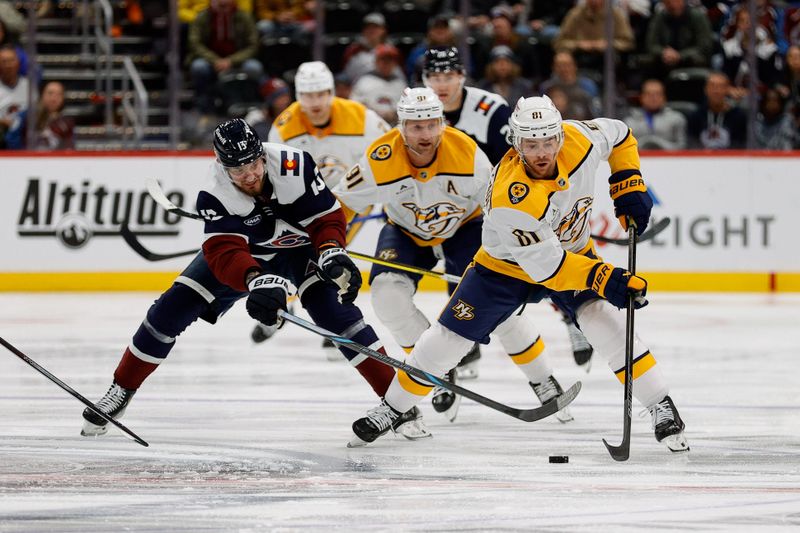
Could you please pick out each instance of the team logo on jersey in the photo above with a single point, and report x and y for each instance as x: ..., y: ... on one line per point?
x: 572, y: 226
x: 381, y: 153
x: 387, y: 254
x: 463, y: 311
x: 437, y: 219
x: 283, y: 118
x: 329, y: 166
x: 252, y: 221
x: 517, y: 192
x: 290, y: 165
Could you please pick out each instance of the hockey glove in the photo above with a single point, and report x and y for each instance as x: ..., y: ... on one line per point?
x: 615, y: 284
x: 631, y: 199
x: 268, y: 293
x: 337, y: 265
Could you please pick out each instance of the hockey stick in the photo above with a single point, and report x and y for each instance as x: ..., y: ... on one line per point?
x: 449, y: 278
x: 133, y: 241
x: 526, y: 415
x: 654, y: 230
x: 623, y: 451
x: 70, y: 390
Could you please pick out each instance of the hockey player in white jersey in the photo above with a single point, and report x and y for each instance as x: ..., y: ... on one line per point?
x: 335, y: 131
x: 536, y: 244
x: 431, y: 180
x: 483, y: 116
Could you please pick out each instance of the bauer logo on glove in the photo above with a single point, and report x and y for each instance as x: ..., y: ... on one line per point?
x: 631, y: 199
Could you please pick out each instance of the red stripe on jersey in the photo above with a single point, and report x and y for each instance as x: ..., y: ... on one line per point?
x: 330, y: 227
x: 228, y: 257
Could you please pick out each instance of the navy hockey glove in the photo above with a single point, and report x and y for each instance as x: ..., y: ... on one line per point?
x: 337, y: 265
x: 268, y: 293
x: 631, y: 199
x: 615, y: 284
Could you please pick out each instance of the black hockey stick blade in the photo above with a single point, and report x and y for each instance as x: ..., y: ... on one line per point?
x: 70, y: 390
x: 157, y: 194
x: 526, y: 415
x: 654, y: 230
x: 133, y: 241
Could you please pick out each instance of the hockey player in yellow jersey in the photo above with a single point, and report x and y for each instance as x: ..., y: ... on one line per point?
x: 431, y: 179
x: 335, y: 131
x: 536, y: 244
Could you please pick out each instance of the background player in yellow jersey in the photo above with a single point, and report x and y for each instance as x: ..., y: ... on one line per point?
x: 335, y: 131
x: 431, y: 179
x: 536, y: 244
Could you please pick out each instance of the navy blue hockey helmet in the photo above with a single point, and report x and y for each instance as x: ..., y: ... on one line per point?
x: 236, y: 144
x: 442, y: 59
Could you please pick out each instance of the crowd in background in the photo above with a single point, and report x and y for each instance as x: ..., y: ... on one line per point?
x: 681, y: 74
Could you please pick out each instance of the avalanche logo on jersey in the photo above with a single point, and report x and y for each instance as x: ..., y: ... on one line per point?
x: 330, y: 165
x: 381, y: 153
x: 437, y: 219
x: 573, y: 225
x: 517, y: 192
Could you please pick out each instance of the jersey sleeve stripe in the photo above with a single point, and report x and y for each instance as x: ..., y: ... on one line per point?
x: 336, y: 205
x: 557, y: 270
x: 624, y: 138
x: 243, y: 236
x: 583, y: 159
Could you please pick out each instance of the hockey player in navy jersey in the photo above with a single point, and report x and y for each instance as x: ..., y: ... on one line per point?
x: 272, y: 229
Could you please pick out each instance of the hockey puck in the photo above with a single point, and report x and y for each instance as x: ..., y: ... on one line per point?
x: 559, y: 459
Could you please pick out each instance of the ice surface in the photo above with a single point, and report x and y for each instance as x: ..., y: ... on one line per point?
x: 250, y: 437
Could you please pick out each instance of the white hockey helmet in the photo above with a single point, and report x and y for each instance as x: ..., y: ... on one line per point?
x: 535, y: 118
x: 312, y: 77
x: 420, y: 103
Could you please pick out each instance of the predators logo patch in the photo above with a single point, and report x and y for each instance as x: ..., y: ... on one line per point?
x: 387, y: 254
x: 437, y: 219
x: 381, y: 153
x: 463, y: 311
x: 517, y: 192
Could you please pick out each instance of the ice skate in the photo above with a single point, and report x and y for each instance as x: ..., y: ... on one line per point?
x: 547, y: 391
x: 331, y: 352
x: 411, y: 426
x: 581, y: 349
x: 468, y: 366
x: 378, y: 421
x: 668, y: 425
x: 113, y: 403
x: 445, y: 401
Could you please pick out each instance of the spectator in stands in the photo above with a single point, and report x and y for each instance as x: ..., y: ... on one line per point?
x: 284, y: 18
x: 789, y: 85
x: 503, y: 76
x: 53, y: 130
x: 734, y: 51
x: 13, y: 20
x: 13, y: 93
x: 580, y: 109
x: 656, y: 126
x: 359, y: 56
x: 380, y: 89
x: 775, y: 129
x: 718, y: 124
x: 545, y: 20
x: 5, y: 39
x: 678, y: 36
x: 565, y: 73
x: 276, y: 97
x: 439, y: 34
x: 342, y: 86
x: 503, y: 21
x: 768, y: 19
x: 583, y: 32
x: 222, y: 39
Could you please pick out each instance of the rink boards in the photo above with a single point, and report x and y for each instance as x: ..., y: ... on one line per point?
x: 734, y: 220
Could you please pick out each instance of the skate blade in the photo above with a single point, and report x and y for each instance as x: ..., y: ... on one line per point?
x: 452, y: 412
x: 676, y: 443
x: 356, y: 442
x: 413, y: 430
x: 468, y: 371
x: 564, y: 416
x: 93, y: 430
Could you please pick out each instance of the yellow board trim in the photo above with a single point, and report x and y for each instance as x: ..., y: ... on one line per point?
x: 639, y: 367
x: 528, y: 354
x: 757, y: 282
x: 412, y: 386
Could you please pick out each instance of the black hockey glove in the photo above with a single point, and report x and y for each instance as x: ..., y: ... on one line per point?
x: 631, y: 199
x: 268, y: 293
x: 615, y: 284
x: 337, y: 265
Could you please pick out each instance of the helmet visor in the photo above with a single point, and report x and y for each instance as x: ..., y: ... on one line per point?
x: 548, y: 146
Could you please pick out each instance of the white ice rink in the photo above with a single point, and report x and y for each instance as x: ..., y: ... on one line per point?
x: 252, y: 438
